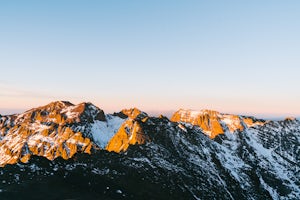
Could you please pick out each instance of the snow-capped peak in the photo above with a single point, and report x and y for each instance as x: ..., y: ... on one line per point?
x: 214, y: 123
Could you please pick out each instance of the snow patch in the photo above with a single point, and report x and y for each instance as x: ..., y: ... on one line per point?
x: 195, y: 114
x: 182, y: 127
x: 271, y: 191
x: 103, y: 131
x: 69, y: 113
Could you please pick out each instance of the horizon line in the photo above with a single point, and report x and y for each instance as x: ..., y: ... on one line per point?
x: 156, y: 112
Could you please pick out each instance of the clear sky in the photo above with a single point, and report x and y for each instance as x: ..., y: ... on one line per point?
x: 159, y: 55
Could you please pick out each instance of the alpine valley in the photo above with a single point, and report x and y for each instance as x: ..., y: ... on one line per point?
x: 66, y: 151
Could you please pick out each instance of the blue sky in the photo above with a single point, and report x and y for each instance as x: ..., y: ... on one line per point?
x: 231, y: 56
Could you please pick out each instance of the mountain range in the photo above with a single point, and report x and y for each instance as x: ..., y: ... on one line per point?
x: 67, y: 151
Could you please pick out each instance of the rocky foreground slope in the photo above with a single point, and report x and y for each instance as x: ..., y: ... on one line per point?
x: 66, y: 151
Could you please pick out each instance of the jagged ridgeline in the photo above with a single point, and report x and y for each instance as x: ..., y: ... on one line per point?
x: 80, y: 152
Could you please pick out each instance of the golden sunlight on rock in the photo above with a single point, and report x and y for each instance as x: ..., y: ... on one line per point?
x: 42, y: 132
x: 214, y: 123
x: 130, y: 133
x: 250, y: 122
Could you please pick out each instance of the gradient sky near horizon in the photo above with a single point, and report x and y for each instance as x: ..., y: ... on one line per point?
x: 159, y: 55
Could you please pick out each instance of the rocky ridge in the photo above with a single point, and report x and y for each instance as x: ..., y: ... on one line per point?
x: 214, y: 123
x: 196, y: 155
x: 59, y: 129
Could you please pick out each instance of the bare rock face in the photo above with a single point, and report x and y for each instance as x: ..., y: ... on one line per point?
x: 132, y: 113
x: 130, y: 133
x: 88, y: 112
x: 55, y: 130
x: 214, y: 123
x: 247, y: 159
x: 62, y: 129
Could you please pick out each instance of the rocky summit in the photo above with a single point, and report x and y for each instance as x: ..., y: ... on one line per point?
x: 67, y: 151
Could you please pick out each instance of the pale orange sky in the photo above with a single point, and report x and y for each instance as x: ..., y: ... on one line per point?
x: 163, y: 105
